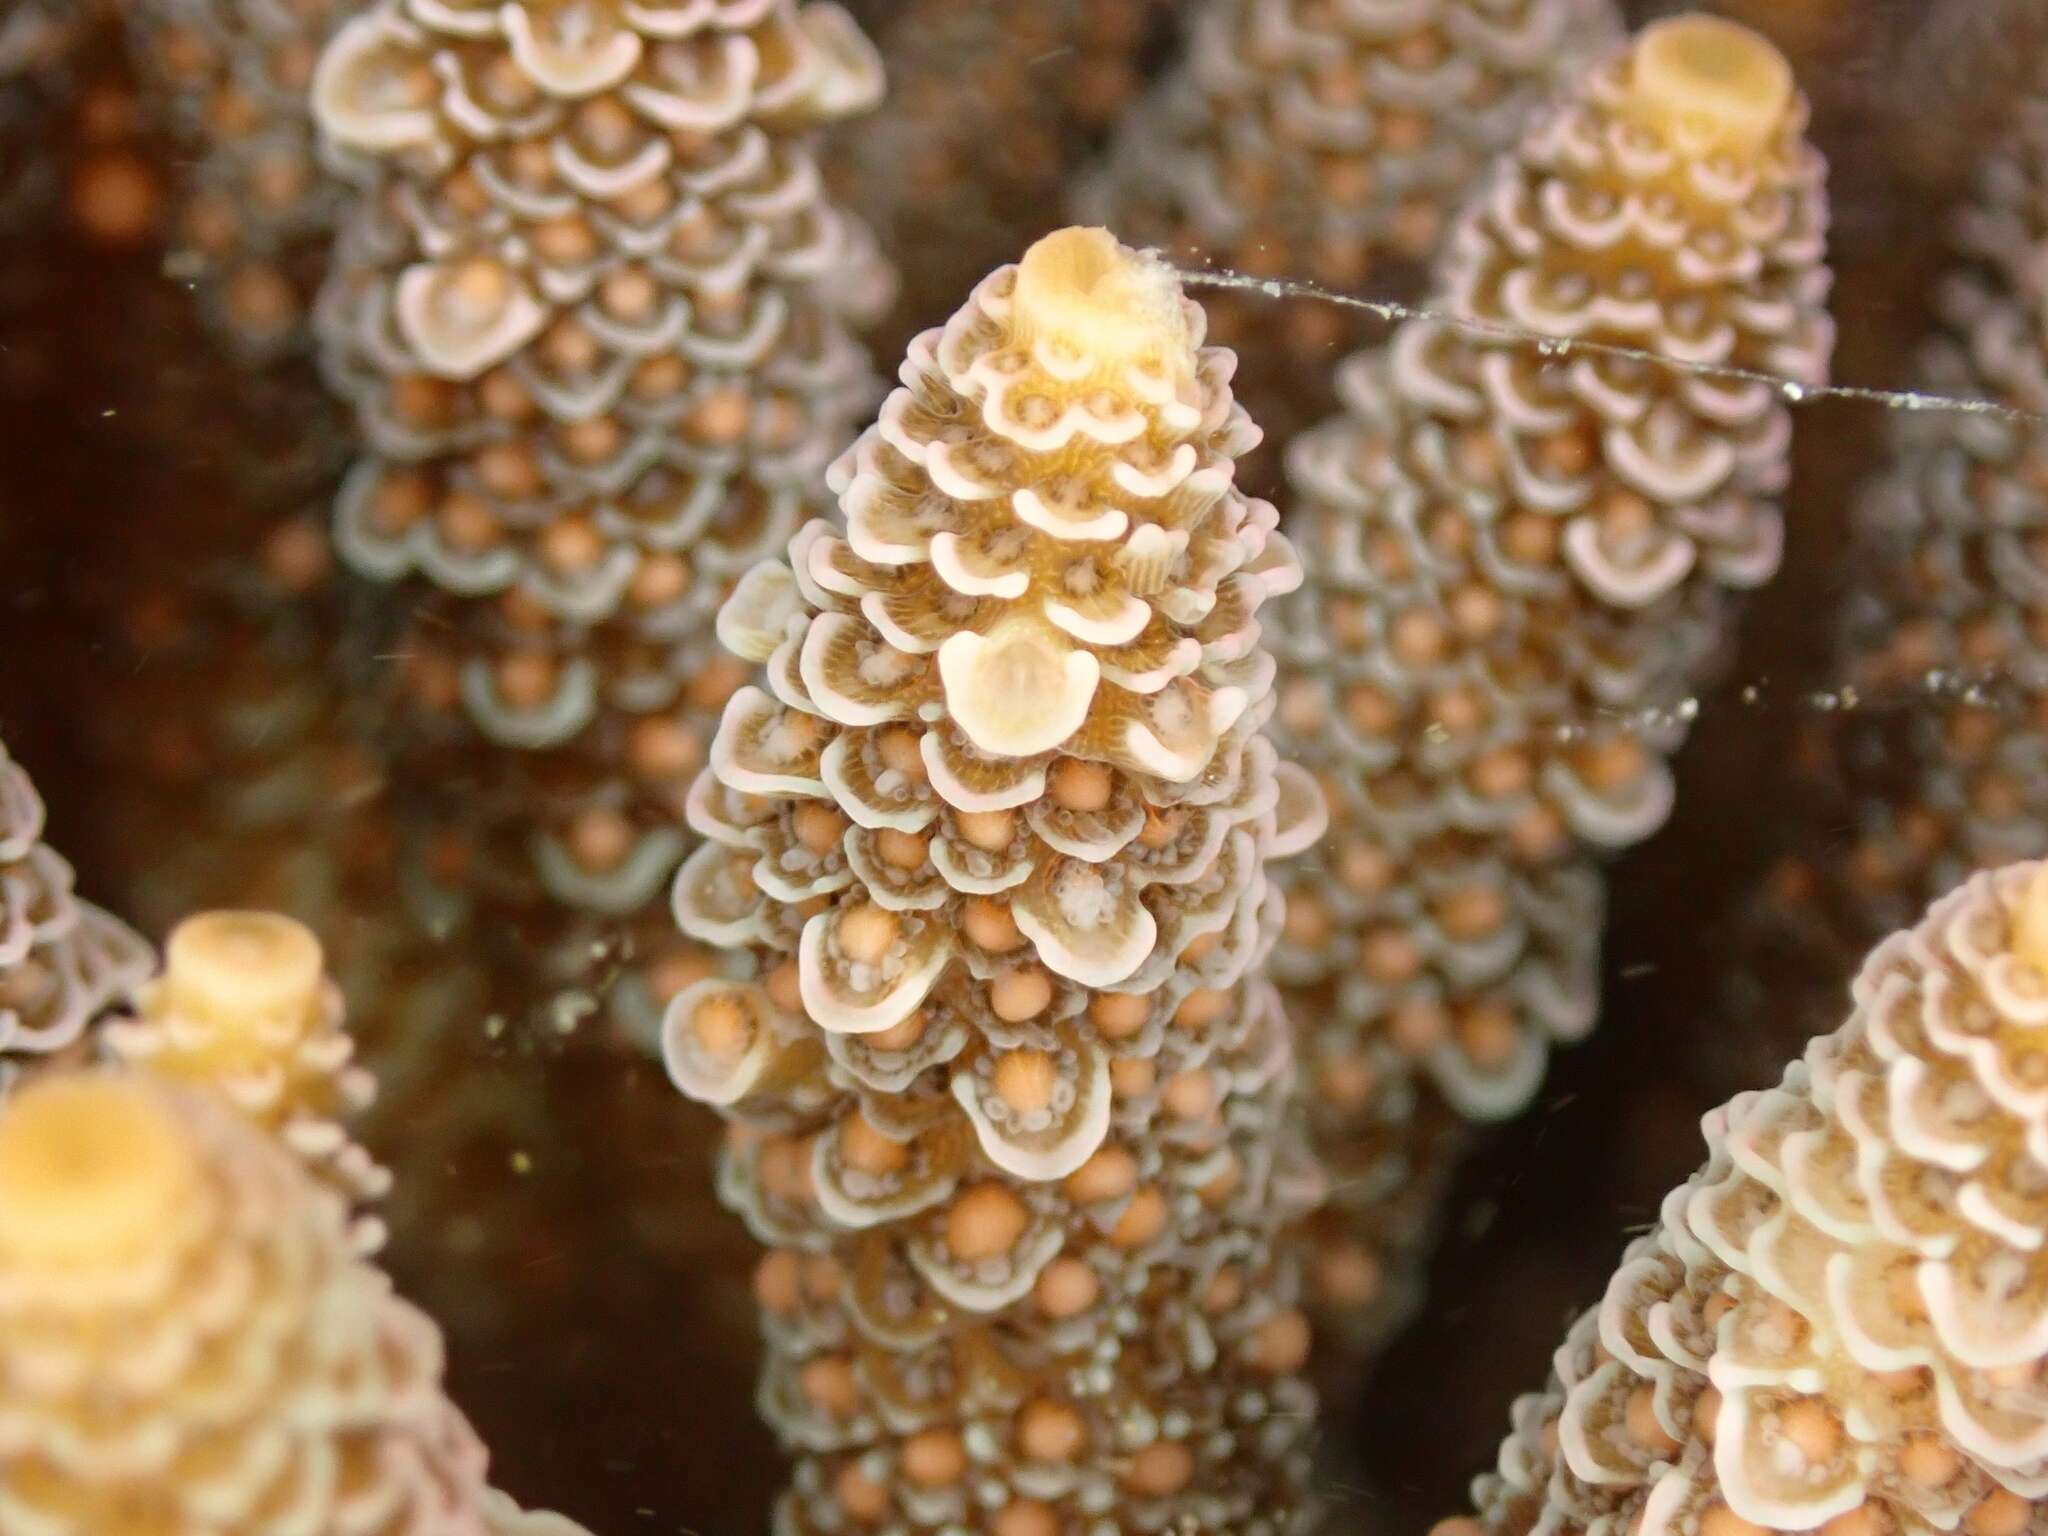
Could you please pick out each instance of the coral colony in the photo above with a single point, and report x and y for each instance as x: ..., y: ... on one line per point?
x: 1096, y: 921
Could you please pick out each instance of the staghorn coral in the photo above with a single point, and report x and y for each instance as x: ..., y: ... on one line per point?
x: 1837, y: 1323
x: 244, y: 1009
x: 1522, y: 559
x: 989, y: 851
x: 62, y: 960
x: 255, y: 212
x: 594, y: 325
x: 1333, y: 142
x: 188, y: 1342
x: 1935, y: 766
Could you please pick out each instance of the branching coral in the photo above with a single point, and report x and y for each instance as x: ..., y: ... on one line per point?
x: 187, y: 1341
x: 1838, y: 1322
x: 1330, y: 141
x: 62, y: 961
x: 1522, y: 557
x: 594, y: 326
x: 1009, y: 1091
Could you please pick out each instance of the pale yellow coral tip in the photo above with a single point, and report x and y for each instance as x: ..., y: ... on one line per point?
x: 1717, y: 84
x: 88, y: 1168
x: 2030, y: 922
x: 1105, y: 300
x: 225, y: 966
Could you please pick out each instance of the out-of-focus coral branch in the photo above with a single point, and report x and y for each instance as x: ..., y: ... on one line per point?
x: 62, y: 961
x: 188, y: 1340
x: 1523, y: 560
x: 594, y: 323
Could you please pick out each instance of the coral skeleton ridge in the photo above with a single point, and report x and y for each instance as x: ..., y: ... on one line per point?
x: 1334, y: 143
x: 243, y: 1009
x: 188, y: 1340
x: 989, y: 842
x: 1838, y: 1322
x: 62, y: 961
x: 593, y: 318
x: 1523, y: 560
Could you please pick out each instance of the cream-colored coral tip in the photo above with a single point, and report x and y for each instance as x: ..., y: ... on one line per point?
x: 2030, y: 923
x: 88, y: 1168
x: 1717, y: 84
x: 1108, y: 302
x: 229, y: 967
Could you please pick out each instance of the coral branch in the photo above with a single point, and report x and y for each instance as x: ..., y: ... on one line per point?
x: 594, y: 325
x: 188, y: 1341
x: 244, y: 1010
x: 1522, y: 561
x: 1009, y: 1092
x: 1839, y: 1321
x: 62, y: 961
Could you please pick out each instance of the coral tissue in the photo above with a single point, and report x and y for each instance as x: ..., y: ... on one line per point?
x: 244, y: 1009
x: 189, y: 1343
x: 593, y: 323
x: 62, y: 960
x: 1524, y: 537
x: 1838, y: 1324
x: 992, y: 833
